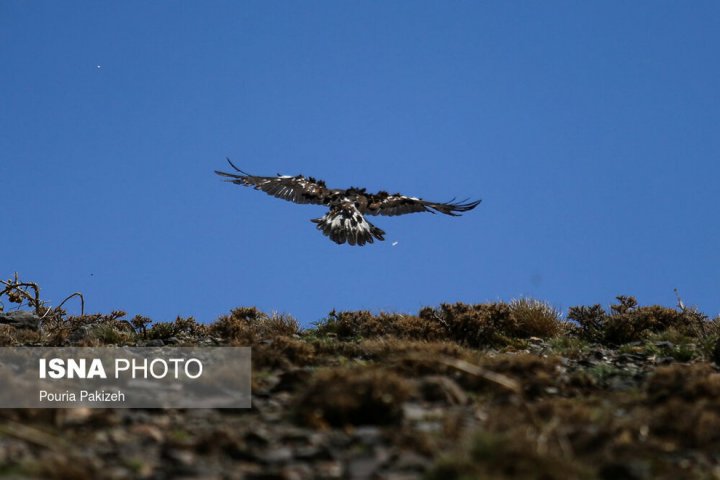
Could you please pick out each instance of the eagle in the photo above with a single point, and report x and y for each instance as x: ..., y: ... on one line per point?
x: 345, y: 221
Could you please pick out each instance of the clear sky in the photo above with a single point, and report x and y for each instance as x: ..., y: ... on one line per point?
x: 590, y: 130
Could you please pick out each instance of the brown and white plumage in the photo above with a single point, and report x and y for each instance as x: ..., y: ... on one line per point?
x: 345, y: 222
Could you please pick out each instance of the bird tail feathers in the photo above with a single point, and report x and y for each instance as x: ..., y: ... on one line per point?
x: 348, y: 225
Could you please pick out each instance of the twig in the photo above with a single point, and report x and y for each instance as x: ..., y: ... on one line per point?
x: 472, y: 369
x: 441, y: 321
x: 82, y: 302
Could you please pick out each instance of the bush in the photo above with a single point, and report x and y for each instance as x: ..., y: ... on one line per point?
x: 474, y: 325
x: 628, y: 322
x: 181, y: 326
x: 363, y: 324
x: 250, y: 325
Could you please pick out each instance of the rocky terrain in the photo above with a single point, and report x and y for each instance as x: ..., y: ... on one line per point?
x: 492, y: 391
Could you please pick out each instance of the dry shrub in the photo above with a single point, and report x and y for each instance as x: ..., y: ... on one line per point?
x: 498, y: 456
x: 24, y: 336
x: 715, y: 350
x: 349, y: 325
x: 628, y: 322
x: 493, y: 324
x: 590, y: 431
x: 88, y: 330
x: 474, y: 325
x: 390, y: 347
x: 471, y: 325
x: 589, y: 425
x: 385, y: 349
x: 363, y: 324
x: 591, y: 321
x: 180, y: 327
x: 413, y: 327
x: 140, y: 323
x: 409, y: 358
x: 282, y: 353
x: 689, y: 382
x: 8, y: 336
x: 280, y: 324
x: 685, y: 402
x: 353, y: 396
x: 413, y: 359
x: 250, y: 325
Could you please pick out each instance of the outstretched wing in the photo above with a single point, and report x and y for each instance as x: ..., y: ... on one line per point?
x: 384, y: 203
x: 296, y: 189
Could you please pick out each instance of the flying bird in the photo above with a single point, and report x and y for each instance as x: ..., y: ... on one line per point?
x: 345, y: 222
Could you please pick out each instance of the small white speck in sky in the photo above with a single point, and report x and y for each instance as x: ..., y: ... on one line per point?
x: 395, y: 243
x: 99, y: 67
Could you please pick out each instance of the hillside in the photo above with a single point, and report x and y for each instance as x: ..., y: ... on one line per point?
x: 496, y: 390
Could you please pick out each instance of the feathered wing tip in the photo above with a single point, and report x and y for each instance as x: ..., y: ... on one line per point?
x: 234, y: 177
x: 348, y: 225
x: 454, y: 208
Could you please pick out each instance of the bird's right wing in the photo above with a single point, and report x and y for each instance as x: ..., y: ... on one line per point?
x: 297, y: 189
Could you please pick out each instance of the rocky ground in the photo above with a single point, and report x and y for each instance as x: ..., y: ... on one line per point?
x: 492, y: 391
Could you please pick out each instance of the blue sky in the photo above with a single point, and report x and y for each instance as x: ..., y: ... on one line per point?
x: 591, y: 131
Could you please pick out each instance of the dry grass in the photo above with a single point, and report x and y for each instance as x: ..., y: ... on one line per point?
x: 535, y: 318
x: 248, y: 325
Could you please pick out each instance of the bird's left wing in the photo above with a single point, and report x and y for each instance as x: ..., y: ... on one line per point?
x: 297, y: 189
x: 384, y: 203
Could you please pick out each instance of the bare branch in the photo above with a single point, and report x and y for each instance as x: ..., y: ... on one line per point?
x: 76, y: 294
x: 18, y: 287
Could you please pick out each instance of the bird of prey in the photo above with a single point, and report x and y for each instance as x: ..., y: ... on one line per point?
x: 345, y: 222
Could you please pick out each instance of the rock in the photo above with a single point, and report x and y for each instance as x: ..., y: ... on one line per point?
x: 73, y: 416
x: 82, y: 333
x: 401, y: 476
x: 297, y: 471
x: 331, y: 469
x: 148, y: 431
x: 367, y: 434
x: 279, y: 454
x: 363, y: 467
x: 20, y: 319
x: 181, y: 457
x: 311, y: 452
x: 408, y: 460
